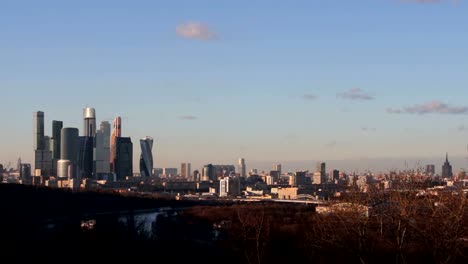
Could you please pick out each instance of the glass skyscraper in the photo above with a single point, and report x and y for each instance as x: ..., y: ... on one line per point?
x: 146, y: 158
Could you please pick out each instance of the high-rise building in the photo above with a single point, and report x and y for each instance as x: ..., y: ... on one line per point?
x: 85, y: 157
x: 69, y: 144
x: 18, y: 165
x: 169, y: 172
x: 277, y: 167
x: 275, y: 175
x: 447, y: 168
x: 146, y: 157
x: 208, y: 173
x: 25, y: 173
x: 55, y: 143
x: 123, y: 162
x: 242, y: 168
x: 430, y: 169
x: 321, y: 167
x: 102, y: 158
x: 89, y: 124
x: 56, y: 138
x: 196, y: 176
x: 185, y: 171
x: 43, y: 162
x: 42, y: 155
x: 38, y: 130
x: 335, y: 175
x: 116, y: 133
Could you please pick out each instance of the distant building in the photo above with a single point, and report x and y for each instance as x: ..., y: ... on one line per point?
x: 42, y: 155
x: 300, y: 178
x: 196, y: 176
x: 85, y: 157
x: 123, y: 162
x: 229, y: 186
x: 430, y: 170
x: 322, y: 168
x: 242, y: 168
x: 38, y: 130
x: 447, y: 168
x: 277, y: 167
x: 146, y: 157
x: 158, y: 172
x: 25, y: 173
x: 102, y: 158
x: 208, y: 173
x: 335, y: 175
x: 223, y: 170
x: 317, y: 178
x: 170, y: 172
x: 275, y: 175
x: 55, y: 143
x: 89, y: 122
x: 43, y: 162
x: 116, y: 133
x: 69, y: 144
x: 185, y: 171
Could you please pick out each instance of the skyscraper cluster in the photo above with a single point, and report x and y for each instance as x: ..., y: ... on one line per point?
x: 96, y: 154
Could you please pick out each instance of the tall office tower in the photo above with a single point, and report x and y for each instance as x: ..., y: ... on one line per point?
x: 335, y: 174
x: 123, y: 162
x: 38, y: 130
x: 116, y: 133
x: 277, y: 167
x: 18, y: 165
x: 447, y: 168
x: 146, y: 157
x: 69, y: 144
x: 185, y: 171
x: 321, y: 167
x: 85, y: 157
x: 42, y: 155
x: 208, y: 173
x: 89, y: 125
x: 25, y: 173
x: 103, y: 149
x: 430, y: 170
x: 196, y: 176
x: 55, y: 143
x: 242, y: 169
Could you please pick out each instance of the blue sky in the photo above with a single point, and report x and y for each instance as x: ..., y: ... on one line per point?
x: 270, y: 81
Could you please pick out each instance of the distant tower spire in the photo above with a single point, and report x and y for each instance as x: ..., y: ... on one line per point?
x: 446, y: 156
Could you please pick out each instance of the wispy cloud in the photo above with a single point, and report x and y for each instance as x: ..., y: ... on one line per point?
x: 355, y: 94
x: 187, y: 117
x: 309, y: 97
x: 370, y: 129
x: 435, y: 107
x: 195, y: 30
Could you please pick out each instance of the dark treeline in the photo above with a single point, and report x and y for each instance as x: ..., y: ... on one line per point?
x: 401, y: 227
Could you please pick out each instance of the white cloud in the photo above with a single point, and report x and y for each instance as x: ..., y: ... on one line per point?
x: 195, y: 30
x: 309, y: 97
x: 434, y: 107
x: 355, y: 94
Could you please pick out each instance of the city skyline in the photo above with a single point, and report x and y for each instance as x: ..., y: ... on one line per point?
x: 269, y: 83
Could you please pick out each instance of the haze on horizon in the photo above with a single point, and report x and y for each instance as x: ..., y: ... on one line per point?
x: 212, y: 81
